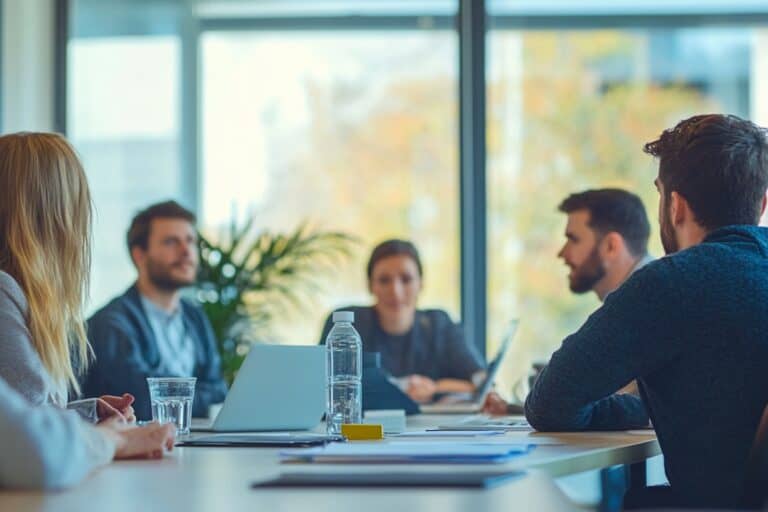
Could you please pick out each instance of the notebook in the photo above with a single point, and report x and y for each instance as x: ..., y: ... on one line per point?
x: 435, y: 452
x: 269, y: 439
x: 474, y: 479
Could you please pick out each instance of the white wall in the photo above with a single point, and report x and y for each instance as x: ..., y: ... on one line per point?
x: 28, y: 65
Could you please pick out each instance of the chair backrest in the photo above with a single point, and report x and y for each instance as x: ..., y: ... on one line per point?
x: 757, y: 467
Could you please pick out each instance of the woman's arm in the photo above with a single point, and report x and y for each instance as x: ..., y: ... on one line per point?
x: 422, y: 389
x: 46, y: 447
x: 454, y: 386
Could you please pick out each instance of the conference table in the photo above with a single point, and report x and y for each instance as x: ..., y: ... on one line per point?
x: 205, y: 479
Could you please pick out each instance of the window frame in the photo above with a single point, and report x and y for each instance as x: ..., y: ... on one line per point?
x: 471, y: 22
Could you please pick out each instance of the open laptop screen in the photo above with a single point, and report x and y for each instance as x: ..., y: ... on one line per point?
x: 493, y: 367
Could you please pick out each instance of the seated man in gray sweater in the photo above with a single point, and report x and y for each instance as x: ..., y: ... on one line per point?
x: 690, y: 327
x: 150, y: 331
x: 44, y: 447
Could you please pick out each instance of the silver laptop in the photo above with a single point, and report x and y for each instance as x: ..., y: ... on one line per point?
x: 279, y: 387
x: 462, y: 403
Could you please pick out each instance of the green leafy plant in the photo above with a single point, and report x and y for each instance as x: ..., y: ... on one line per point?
x: 248, y: 278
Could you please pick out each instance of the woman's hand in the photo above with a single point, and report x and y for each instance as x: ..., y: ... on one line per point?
x: 420, y: 388
x: 109, y: 406
x: 147, y: 442
x: 495, y: 405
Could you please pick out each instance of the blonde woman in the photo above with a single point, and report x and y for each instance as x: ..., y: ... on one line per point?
x: 45, y: 225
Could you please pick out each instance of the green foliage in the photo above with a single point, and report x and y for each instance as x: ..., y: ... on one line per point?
x: 249, y: 279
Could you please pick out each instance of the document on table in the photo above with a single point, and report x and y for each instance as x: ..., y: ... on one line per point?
x: 438, y: 452
x: 394, y: 478
x: 449, y: 433
x: 481, y: 422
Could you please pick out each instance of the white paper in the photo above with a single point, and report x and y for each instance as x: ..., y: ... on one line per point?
x: 450, y: 433
x: 438, y: 451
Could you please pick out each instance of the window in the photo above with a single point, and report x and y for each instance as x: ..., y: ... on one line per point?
x: 345, y: 115
x: 124, y: 122
x: 342, y: 130
x: 569, y: 109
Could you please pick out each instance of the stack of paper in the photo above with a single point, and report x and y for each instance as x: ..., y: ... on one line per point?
x: 450, y: 433
x: 485, y: 423
x: 410, y: 452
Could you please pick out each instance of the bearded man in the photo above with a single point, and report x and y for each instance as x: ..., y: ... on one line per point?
x: 150, y: 330
x: 606, y: 241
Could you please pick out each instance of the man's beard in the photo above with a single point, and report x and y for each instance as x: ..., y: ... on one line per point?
x: 668, y: 238
x: 161, y: 277
x: 585, y: 276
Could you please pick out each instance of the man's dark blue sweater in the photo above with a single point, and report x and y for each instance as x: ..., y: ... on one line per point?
x: 692, y: 328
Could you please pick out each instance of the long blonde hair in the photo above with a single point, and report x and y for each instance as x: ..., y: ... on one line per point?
x: 45, y: 245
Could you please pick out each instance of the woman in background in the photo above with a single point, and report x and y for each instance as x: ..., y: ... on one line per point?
x: 424, y: 349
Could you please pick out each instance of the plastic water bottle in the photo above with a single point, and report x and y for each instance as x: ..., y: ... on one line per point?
x: 345, y: 373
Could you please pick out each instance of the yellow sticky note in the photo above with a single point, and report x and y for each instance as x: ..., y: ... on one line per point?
x: 362, y: 432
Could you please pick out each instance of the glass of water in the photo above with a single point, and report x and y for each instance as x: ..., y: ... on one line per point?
x: 171, y: 399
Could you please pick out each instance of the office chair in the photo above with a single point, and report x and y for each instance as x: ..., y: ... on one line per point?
x: 756, y: 478
x: 757, y: 467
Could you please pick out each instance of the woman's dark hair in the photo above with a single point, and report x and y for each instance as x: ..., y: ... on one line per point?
x: 394, y: 247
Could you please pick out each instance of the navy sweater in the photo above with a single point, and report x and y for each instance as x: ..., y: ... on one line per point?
x: 692, y: 328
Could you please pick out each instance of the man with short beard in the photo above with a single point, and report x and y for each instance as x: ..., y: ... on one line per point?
x: 690, y: 327
x: 606, y: 241
x: 150, y: 331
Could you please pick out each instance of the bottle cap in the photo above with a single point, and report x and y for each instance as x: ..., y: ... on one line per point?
x: 343, y: 316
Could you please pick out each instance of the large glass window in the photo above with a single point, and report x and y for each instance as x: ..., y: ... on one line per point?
x: 344, y: 114
x: 347, y: 130
x: 124, y: 122
x: 569, y: 110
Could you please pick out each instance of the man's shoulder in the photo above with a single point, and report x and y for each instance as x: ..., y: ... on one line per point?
x: 119, y: 310
x: 711, y: 260
x: 660, y: 278
x: 655, y: 271
x: 193, y: 308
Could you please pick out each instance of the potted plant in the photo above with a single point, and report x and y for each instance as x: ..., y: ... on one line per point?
x: 247, y: 278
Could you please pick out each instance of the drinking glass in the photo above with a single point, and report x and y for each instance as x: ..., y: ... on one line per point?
x: 171, y: 399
